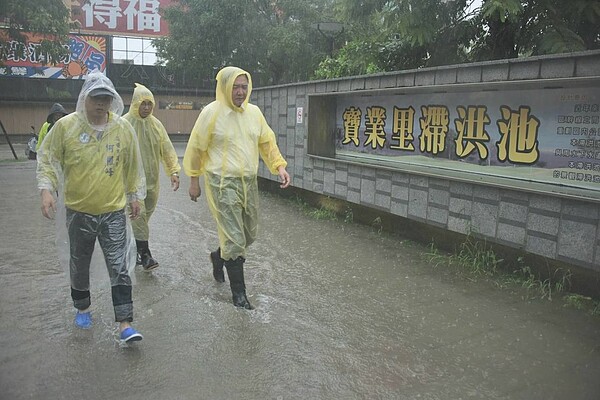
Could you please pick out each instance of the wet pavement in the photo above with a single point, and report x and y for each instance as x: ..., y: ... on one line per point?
x: 342, y: 312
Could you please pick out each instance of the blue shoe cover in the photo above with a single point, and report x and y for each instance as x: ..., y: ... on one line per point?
x: 83, y: 320
x: 130, y: 335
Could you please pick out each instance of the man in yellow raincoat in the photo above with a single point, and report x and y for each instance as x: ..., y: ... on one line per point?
x: 155, y: 146
x: 91, y: 157
x: 224, y: 146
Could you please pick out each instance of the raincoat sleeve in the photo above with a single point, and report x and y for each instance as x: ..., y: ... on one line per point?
x: 41, y: 135
x: 194, y: 159
x: 50, y: 158
x: 134, y: 176
x: 168, y: 154
x: 269, y: 151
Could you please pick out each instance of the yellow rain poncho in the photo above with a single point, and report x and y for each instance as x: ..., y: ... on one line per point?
x: 155, y: 147
x: 95, y: 170
x: 224, y: 146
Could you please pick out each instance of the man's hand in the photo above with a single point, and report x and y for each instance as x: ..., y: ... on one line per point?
x: 175, y: 182
x: 284, y: 177
x: 134, y: 209
x: 194, y: 188
x: 48, y: 204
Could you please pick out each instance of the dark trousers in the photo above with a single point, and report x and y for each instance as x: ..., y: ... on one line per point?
x: 110, y: 230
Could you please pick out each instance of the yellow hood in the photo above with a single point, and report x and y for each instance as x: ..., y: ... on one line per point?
x: 225, y: 79
x: 140, y: 94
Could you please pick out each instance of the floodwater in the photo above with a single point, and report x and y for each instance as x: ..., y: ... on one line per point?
x: 342, y: 312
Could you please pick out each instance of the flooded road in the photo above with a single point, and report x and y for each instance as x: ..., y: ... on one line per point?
x: 341, y: 313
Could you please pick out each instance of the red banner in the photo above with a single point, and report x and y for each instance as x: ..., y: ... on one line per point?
x: 25, y: 60
x: 121, y: 17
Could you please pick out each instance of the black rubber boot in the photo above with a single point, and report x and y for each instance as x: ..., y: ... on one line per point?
x: 217, y: 263
x: 235, y: 271
x: 138, y: 258
x: 148, y: 263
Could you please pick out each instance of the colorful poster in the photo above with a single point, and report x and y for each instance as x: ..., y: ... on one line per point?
x: 86, y: 54
x: 121, y: 17
x: 536, y: 135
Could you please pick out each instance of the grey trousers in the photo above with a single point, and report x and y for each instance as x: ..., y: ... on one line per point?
x: 110, y: 230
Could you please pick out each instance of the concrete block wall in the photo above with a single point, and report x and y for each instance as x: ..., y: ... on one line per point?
x: 558, y: 228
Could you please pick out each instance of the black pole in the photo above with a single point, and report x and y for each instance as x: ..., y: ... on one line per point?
x: 8, y: 140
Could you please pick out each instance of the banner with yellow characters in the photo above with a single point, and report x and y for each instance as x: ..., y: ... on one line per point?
x: 24, y: 60
x: 545, y: 135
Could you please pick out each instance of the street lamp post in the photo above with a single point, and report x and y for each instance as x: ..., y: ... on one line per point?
x: 330, y: 31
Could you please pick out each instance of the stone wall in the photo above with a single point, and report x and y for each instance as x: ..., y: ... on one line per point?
x: 555, y: 227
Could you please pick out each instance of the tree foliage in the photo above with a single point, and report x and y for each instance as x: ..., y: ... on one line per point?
x: 48, y: 18
x: 406, y: 34
x: 271, y: 39
x: 276, y: 40
x: 517, y: 28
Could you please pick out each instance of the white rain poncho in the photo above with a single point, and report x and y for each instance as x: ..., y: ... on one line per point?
x: 94, y: 170
x: 224, y: 146
x: 155, y: 147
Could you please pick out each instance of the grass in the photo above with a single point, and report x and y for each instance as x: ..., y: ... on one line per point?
x: 471, y: 259
x: 327, y: 211
x: 322, y: 213
x: 558, y: 283
x: 475, y: 259
x: 580, y: 302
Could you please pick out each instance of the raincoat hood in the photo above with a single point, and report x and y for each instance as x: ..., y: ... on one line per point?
x: 225, y: 79
x: 154, y: 142
x: 140, y: 94
x: 97, y: 80
x: 225, y: 146
x: 56, y: 108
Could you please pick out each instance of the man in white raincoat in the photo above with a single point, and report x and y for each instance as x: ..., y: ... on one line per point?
x: 155, y: 146
x: 91, y: 157
x: 224, y: 146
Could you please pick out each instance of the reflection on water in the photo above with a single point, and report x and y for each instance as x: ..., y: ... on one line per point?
x: 341, y: 313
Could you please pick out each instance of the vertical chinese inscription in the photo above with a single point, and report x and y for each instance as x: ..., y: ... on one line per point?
x: 434, y: 127
x: 351, y: 118
x: 402, y: 129
x: 519, y: 131
x: 471, y: 133
x: 374, y: 124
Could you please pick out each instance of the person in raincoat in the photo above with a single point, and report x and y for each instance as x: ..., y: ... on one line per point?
x: 155, y: 146
x: 224, y: 146
x: 92, y: 157
x: 57, y: 111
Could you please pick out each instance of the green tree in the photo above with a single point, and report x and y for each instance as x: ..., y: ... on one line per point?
x: 355, y: 58
x: 362, y: 35
x: 395, y: 35
x: 271, y: 39
x: 425, y: 33
x: 49, y: 18
x: 517, y: 28
x: 407, y: 34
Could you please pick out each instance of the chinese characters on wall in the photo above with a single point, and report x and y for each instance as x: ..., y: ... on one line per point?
x: 581, y: 129
x: 554, y: 131
x: 518, y: 130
